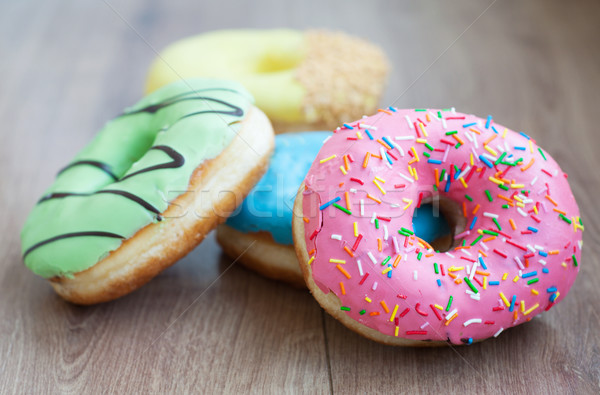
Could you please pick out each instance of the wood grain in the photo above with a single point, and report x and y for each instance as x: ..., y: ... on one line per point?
x: 207, y: 325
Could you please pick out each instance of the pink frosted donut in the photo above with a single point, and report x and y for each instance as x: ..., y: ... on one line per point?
x: 516, y: 228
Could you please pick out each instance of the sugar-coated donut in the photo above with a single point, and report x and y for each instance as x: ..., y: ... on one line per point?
x: 301, y: 80
x: 259, y: 233
x: 518, y: 231
x: 147, y: 189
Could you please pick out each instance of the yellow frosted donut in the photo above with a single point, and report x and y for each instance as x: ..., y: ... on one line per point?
x: 301, y: 80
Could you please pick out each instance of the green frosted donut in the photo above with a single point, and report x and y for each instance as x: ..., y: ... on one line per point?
x: 126, y: 177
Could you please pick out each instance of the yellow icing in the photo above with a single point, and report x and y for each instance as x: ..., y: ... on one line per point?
x: 264, y: 61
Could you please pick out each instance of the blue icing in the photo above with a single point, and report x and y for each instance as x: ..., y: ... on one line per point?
x: 269, y: 205
x: 427, y: 226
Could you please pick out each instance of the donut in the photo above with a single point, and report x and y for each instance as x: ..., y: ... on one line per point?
x: 147, y: 189
x: 515, y: 225
x: 301, y: 80
x: 259, y: 233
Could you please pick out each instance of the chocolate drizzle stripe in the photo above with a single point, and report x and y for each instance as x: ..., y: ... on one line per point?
x: 130, y: 196
x: 177, y: 161
x: 236, y: 111
x: 186, y: 96
x: 68, y: 236
x: 100, y: 165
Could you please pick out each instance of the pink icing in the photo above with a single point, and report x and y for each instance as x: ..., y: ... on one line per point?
x: 541, y: 254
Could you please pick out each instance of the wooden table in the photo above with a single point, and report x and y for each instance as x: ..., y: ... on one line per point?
x: 205, y: 325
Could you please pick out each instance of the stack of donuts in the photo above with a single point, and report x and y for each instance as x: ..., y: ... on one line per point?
x: 410, y: 226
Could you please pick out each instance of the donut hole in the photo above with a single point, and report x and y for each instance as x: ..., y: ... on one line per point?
x: 437, y: 222
x: 274, y: 62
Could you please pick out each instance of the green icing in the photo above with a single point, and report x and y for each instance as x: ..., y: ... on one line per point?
x: 194, y: 118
